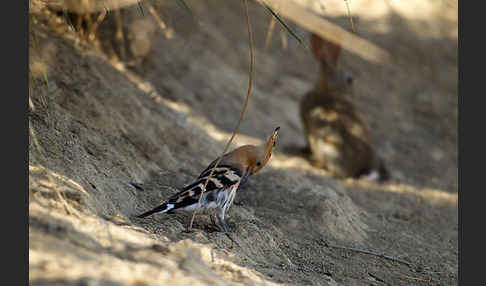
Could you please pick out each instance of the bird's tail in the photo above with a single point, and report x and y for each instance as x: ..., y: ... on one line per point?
x: 163, y: 208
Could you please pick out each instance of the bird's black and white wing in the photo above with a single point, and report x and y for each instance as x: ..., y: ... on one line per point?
x: 218, y: 193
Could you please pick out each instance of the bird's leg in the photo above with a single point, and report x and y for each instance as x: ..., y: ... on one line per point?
x: 221, y: 223
x: 224, y: 227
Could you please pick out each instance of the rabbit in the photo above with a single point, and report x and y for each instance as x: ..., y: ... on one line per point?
x: 337, y: 138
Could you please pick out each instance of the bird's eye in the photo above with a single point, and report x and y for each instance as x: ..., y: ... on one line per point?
x: 259, y: 164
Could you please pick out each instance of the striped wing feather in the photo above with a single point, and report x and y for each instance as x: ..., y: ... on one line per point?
x: 223, y: 177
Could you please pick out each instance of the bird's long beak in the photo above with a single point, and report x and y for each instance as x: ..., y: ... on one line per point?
x: 268, y: 149
x: 271, y: 144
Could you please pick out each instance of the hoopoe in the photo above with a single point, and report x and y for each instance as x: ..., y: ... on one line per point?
x: 219, y: 194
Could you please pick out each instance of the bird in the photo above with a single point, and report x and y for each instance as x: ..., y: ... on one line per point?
x: 217, y: 197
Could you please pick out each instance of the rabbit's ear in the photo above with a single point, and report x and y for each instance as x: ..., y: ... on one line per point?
x: 324, y: 50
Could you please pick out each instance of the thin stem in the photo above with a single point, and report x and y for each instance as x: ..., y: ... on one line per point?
x: 250, y: 84
x: 372, y: 253
x: 349, y: 15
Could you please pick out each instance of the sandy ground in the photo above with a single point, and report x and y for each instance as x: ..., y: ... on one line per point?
x: 160, y: 115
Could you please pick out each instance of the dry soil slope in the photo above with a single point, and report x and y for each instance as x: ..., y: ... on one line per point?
x: 104, y: 126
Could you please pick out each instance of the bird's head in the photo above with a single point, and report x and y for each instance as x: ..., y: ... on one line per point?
x: 253, y: 158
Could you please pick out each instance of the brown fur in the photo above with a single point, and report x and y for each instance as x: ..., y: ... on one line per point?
x: 337, y: 137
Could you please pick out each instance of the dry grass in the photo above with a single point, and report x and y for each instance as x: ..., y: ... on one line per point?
x: 303, y: 16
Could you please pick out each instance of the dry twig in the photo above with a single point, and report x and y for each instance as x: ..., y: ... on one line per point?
x: 303, y: 16
x: 271, y: 26
x: 350, y: 17
x: 382, y: 255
